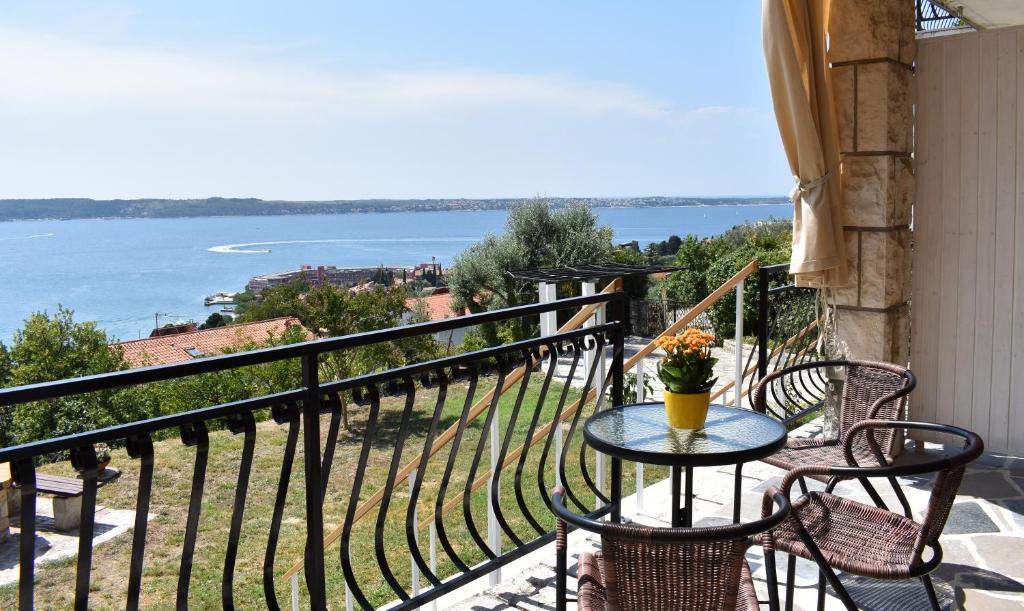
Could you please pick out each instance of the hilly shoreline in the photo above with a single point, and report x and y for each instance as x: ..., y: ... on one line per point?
x: 85, y: 208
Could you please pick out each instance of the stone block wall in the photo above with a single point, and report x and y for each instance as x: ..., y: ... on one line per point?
x: 872, y: 53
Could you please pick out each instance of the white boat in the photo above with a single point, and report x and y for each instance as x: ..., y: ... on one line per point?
x: 222, y: 298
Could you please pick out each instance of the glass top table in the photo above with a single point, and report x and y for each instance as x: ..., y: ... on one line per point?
x: 640, y: 433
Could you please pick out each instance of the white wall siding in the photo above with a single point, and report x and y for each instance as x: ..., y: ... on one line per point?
x: 967, y: 335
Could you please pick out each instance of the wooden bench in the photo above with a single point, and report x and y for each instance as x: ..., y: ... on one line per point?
x: 67, y: 499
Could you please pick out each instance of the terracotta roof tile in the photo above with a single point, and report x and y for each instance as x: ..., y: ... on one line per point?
x: 439, y: 305
x: 208, y: 342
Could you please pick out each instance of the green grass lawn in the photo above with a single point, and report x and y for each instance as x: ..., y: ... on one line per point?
x: 172, y: 483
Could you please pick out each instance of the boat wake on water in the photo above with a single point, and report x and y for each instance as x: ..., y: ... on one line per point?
x: 252, y: 248
x: 30, y: 237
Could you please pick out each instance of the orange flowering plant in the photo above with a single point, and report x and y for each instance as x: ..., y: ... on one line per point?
x: 687, y: 366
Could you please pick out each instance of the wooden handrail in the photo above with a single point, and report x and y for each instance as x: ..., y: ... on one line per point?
x: 445, y: 437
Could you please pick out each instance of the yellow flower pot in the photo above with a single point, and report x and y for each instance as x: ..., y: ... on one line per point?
x: 687, y: 410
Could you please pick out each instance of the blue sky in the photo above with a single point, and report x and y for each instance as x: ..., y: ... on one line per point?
x: 343, y: 100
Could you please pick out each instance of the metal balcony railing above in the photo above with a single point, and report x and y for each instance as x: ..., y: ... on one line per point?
x: 931, y: 15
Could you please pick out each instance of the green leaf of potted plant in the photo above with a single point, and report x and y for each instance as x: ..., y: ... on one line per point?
x: 688, y: 372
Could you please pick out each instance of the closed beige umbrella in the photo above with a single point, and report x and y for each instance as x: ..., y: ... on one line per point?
x: 794, y: 37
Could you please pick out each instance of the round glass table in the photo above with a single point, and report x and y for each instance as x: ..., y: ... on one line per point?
x: 640, y: 433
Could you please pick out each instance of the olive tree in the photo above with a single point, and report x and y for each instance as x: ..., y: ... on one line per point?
x: 535, y: 236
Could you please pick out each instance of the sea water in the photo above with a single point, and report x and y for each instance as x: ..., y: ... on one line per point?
x: 122, y: 272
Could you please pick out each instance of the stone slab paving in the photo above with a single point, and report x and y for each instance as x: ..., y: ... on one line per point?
x: 983, y: 562
x: 51, y: 544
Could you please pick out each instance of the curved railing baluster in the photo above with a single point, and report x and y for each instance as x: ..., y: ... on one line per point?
x: 521, y: 465
x: 556, y: 421
x: 333, y: 403
x: 140, y: 447
x: 442, y: 535
x: 410, y: 517
x: 282, y: 414
x: 389, y: 487
x: 357, y: 485
x: 559, y: 467
x: 599, y: 345
x: 467, y: 494
x: 239, y: 423
x: 194, y: 434
x: 509, y: 433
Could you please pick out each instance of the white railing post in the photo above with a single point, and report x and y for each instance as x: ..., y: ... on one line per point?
x: 415, y: 568
x: 589, y: 356
x: 548, y: 326
x: 295, y: 592
x: 348, y: 598
x: 493, y: 529
x: 433, y: 558
x: 548, y: 320
x: 641, y: 396
x: 738, y: 379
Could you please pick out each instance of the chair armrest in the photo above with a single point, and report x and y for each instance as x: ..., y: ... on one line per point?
x: 972, y: 449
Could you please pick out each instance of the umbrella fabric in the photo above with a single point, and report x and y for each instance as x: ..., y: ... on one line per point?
x: 794, y: 38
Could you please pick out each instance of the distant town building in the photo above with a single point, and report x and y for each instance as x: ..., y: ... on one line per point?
x: 188, y: 345
x: 315, y: 276
x: 425, y: 269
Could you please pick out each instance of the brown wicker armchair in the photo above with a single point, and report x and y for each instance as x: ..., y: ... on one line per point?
x: 841, y: 533
x: 644, y: 568
x: 871, y: 391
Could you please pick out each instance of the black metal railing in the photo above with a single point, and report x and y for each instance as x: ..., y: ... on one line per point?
x: 931, y: 15
x: 396, y: 427
x: 787, y: 334
x: 650, y: 317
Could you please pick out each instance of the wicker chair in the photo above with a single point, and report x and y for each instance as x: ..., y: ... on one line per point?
x: 872, y: 390
x: 645, y: 568
x: 841, y: 533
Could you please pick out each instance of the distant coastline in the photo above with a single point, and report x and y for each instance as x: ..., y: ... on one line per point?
x: 85, y: 208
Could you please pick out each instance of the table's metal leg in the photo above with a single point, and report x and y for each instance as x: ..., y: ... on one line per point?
x: 688, y: 509
x: 737, y: 499
x: 677, y: 518
x: 616, y: 490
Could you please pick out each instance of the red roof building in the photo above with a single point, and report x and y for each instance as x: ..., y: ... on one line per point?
x: 208, y: 342
x: 439, y: 305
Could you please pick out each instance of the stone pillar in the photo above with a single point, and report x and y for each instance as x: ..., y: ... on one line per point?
x: 872, y: 53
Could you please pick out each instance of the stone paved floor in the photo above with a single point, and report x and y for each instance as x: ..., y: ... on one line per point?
x: 983, y: 564
x: 53, y: 545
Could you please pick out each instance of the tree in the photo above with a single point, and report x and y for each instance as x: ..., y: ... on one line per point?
x: 5, y: 365
x: 53, y: 348
x: 635, y: 286
x: 329, y: 311
x: 707, y: 263
x: 535, y: 236
x: 273, y: 302
x: 216, y: 320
